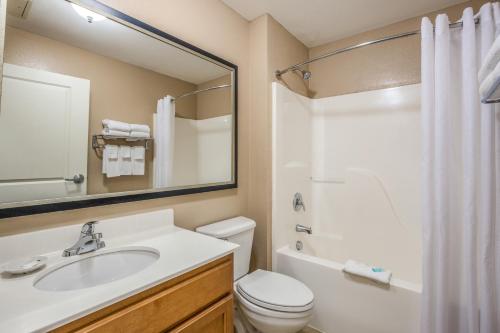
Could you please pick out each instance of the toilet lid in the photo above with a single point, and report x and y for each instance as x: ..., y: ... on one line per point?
x: 275, y: 291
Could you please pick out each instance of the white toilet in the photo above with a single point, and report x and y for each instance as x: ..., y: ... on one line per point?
x: 265, y: 301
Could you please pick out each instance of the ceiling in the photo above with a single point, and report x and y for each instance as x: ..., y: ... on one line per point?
x: 316, y: 22
x: 58, y: 20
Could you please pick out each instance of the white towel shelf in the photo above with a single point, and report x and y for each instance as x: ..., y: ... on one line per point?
x: 99, y: 140
x: 328, y: 180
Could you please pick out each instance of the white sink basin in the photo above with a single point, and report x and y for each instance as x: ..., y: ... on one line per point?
x: 98, y: 268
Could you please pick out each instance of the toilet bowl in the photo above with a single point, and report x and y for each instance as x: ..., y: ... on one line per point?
x: 266, y: 302
x: 273, y: 302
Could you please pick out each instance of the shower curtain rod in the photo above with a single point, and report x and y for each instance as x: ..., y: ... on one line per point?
x: 278, y: 73
x: 201, y: 90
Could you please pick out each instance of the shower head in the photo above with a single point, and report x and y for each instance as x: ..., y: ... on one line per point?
x: 306, y: 75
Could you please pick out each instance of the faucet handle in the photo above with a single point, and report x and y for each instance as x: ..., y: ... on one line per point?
x: 97, y: 236
x: 88, y: 228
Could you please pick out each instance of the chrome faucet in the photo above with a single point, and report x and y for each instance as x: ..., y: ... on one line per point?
x: 298, y: 202
x: 303, y: 228
x: 89, y: 241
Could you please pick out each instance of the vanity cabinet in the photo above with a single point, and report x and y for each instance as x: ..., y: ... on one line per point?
x: 198, y: 301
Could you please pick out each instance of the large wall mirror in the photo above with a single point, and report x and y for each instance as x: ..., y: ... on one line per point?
x: 98, y: 107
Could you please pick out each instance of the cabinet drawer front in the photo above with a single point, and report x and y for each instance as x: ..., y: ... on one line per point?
x: 171, y: 306
x: 216, y: 319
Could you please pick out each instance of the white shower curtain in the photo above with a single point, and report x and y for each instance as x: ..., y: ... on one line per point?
x: 164, y: 142
x: 461, y: 161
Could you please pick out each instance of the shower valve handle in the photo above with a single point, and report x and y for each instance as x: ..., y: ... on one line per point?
x: 298, y: 202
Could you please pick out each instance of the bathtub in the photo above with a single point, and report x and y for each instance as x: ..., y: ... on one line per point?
x: 344, y: 304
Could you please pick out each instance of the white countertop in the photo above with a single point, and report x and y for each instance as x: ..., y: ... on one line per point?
x: 24, y: 308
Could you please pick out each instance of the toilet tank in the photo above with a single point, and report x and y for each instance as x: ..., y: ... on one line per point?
x: 238, y: 230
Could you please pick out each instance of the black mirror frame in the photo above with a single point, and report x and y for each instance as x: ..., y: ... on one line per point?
x: 110, y: 200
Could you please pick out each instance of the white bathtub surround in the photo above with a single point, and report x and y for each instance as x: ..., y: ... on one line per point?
x: 203, y: 150
x: 164, y: 135
x: 215, y: 149
x: 461, y: 211
x: 340, y: 153
x: 355, y: 159
x: 32, y: 310
x: 376, y: 274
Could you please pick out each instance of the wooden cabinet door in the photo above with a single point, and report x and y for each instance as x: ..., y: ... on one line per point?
x: 216, y: 319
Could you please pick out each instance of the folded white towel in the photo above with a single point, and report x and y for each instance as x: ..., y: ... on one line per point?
x: 138, y: 152
x: 110, y: 132
x: 125, y: 156
x: 373, y: 273
x: 111, y: 151
x: 116, y: 125
x: 490, y: 61
x: 140, y: 128
x: 110, y: 160
x: 125, y: 152
x: 490, y: 87
x: 138, y: 160
x: 139, y: 135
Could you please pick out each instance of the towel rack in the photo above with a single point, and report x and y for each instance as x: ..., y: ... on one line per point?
x: 99, y: 140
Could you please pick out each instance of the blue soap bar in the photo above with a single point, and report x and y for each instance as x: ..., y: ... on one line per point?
x: 377, y: 269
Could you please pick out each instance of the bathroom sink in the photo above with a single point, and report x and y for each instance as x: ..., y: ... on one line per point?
x: 98, y: 268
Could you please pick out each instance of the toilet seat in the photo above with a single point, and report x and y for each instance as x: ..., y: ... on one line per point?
x: 275, y: 292
x: 249, y: 306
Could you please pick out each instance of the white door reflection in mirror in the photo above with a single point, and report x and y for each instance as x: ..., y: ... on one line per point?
x: 43, y: 134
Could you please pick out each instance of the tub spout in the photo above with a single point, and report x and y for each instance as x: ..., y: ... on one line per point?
x: 303, y: 228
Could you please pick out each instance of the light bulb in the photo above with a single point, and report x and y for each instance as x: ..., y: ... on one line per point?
x: 87, y: 14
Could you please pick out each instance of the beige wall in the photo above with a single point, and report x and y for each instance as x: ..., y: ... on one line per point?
x: 212, y: 26
x: 271, y: 46
x: 389, y: 64
x: 117, y: 91
x: 258, y: 160
x: 214, y: 103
